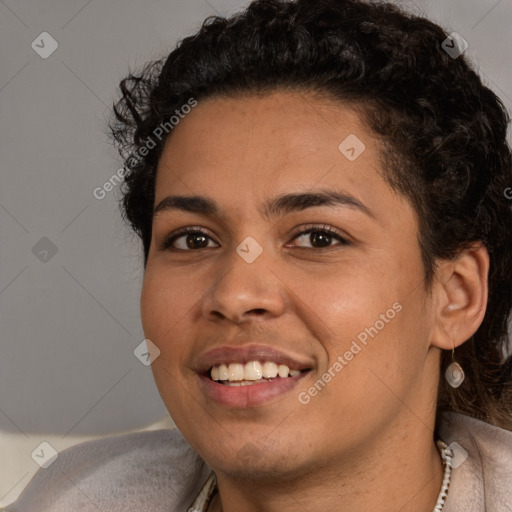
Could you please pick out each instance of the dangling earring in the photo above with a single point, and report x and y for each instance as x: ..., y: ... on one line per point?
x: 454, y: 374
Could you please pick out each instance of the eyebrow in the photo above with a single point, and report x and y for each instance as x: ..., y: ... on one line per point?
x: 273, y: 208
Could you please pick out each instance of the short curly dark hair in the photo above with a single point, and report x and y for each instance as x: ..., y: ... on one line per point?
x: 444, y: 131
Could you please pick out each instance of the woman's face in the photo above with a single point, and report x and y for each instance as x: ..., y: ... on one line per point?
x: 347, y: 308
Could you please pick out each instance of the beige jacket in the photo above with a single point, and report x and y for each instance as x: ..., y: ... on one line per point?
x: 158, y: 471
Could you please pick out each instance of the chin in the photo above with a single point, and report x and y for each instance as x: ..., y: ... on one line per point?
x: 252, y: 462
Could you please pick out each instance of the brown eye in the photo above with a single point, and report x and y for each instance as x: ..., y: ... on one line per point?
x: 322, y: 236
x: 192, y: 239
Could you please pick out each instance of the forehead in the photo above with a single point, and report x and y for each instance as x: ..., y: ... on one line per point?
x: 267, y: 133
x: 243, y: 149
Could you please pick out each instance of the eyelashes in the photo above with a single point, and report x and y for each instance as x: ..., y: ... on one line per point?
x: 169, y: 241
x: 330, y: 232
x: 324, y: 230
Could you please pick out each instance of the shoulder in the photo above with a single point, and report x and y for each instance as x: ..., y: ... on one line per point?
x: 143, y: 471
x: 482, y: 465
x: 486, y: 441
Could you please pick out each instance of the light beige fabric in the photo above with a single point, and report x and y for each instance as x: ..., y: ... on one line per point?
x: 158, y: 471
x: 205, y: 496
x: 483, y: 482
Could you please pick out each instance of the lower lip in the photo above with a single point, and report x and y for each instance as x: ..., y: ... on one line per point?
x: 252, y: 395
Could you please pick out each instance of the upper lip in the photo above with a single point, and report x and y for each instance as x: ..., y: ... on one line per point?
x: 245, y: 354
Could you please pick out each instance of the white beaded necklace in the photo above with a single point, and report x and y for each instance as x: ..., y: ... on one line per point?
x: 447, y: 456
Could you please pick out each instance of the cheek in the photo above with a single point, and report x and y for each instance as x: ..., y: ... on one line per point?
x: 160, y: 322
x: 150, y: 304
x: 165, y: 300
x: 161, y: 306
x: 369, y: 381
x: 349, y: 300
x: 372, y: 318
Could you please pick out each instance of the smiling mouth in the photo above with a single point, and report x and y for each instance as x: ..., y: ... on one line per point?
x: 253, y: 372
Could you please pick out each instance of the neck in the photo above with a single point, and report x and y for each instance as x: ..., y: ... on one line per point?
x: 405, y: 474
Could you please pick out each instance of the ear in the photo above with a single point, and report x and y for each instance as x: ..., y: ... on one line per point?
x: 460, y: 297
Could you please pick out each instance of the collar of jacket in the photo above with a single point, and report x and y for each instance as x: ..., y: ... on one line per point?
x: 158, y: 471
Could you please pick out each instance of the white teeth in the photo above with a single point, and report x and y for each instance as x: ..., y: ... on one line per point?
x: 252, y: 371
x: 237, y: 374
x: 236, y: 371
x: 283, y: 371
x: 242, y: 383
x: 223, y: 372
x: 269, y: 370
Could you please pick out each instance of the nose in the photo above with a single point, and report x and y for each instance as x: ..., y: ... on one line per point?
x: 244, y: 290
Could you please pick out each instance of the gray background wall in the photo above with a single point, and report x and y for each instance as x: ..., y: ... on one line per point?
x: 70, y: 320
